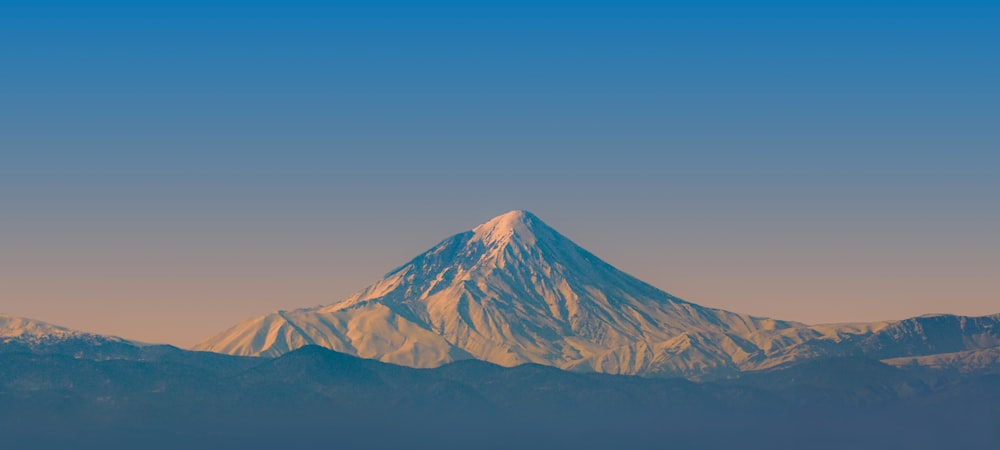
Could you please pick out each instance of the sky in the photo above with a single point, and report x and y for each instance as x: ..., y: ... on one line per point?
x: 168, y: 169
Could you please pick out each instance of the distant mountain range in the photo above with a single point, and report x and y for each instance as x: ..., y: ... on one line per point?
x: 515, y: 338
x: 513, y: 291
x: 28, y: 335
x: 160, y: 397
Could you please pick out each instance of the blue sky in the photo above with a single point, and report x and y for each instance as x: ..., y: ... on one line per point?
x: 818, y: 161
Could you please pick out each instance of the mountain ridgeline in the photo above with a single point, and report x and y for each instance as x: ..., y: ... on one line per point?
x: 57, y: 396
x: 514, y: 291
x: 515, y: 337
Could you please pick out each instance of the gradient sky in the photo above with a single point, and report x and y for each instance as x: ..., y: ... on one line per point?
x: 168, y: 169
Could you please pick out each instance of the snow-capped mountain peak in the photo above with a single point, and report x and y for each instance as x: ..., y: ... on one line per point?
x: 514, y: 290
x: 514, y: 225
x: 19, y: 334
x: 510, y: 291
x: 12, y: 327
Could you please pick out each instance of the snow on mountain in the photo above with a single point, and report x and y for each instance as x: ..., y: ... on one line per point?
x: 513, y: 290
x: 19, y: 328
x: 32, y: 333
x: 932, y: 334
x: 18, y: 334
x: 968, y: 361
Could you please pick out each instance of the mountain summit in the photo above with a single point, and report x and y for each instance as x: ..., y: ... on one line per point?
x: 23, y: 335
x: 512, y: 291
x: 520, y: 225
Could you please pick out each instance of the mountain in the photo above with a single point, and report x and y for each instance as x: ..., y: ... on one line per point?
x: 514, y: 290
x: 927, y: 335
x: 970, y: 361
x: 933, y: 334
x: 34, y: 332
x: 18, y: 334
x: 23, y: 336
x: 62, y: 388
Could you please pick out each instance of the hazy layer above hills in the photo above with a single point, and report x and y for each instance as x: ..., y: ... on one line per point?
x: 320, y: 398
x: 513, y: 290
